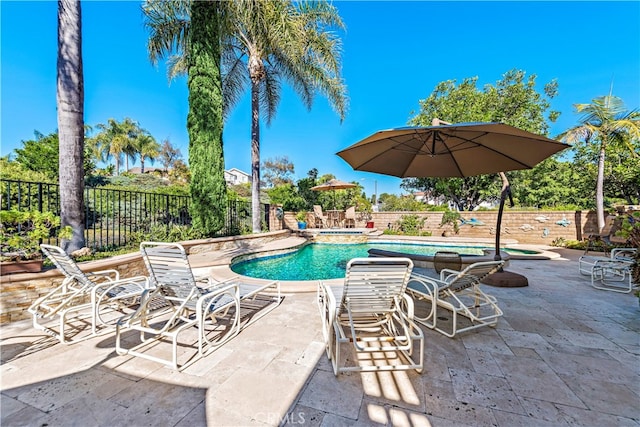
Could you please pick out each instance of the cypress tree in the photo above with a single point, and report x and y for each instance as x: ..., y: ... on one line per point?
x: 204, y: 121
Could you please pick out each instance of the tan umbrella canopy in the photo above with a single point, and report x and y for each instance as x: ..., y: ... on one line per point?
x: 459, y: 150
x: 333, y: 184
x: 452, y: 150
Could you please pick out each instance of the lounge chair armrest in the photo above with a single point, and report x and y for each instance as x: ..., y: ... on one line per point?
x: 214, y: 296
x: 129, y: 287
x: 213, y: 283
x: 105, y: 274
x: 623, y: 254
x: 408, y: 311
x: 431, y: 286
x: 326, y: 303
x: 143, y: 309
x: 446, y: 273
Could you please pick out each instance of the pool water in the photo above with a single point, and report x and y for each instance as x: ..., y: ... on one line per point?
x: 323, y: 261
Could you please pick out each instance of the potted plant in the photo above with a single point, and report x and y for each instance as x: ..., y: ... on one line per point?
x: 20, y: 235
x: 301, y: 217
x: 451, y: 219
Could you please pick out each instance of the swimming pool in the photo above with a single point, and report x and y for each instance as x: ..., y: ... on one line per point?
x: 324, y: 261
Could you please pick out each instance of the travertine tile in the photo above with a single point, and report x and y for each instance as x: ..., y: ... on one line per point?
x: 485, y: 390
x: 440, y: 401
x: 606, y: 397
x: 535, y: 379
x: 562, y: 354
x: 340, y: 395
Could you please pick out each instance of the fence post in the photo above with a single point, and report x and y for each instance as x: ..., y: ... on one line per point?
x: 40, y: 197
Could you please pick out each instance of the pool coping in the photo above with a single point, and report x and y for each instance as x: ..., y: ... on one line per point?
x: 219, y: 268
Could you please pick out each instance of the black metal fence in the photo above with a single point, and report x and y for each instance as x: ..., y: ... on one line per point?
x: 114, y: 217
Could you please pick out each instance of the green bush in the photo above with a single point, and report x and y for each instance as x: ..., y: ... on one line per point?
x: 22, y: 231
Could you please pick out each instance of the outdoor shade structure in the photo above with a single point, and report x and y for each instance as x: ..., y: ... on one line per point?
x: 454, y: 150
x: 332, y: 185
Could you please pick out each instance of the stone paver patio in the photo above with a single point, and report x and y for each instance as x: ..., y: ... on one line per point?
x: 563, y: 354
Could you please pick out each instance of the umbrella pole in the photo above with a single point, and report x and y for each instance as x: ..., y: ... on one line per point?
x: 501, y: 278
x: 503, y: 197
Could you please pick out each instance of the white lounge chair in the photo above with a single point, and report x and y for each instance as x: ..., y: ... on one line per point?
x: 458, y: 293
x: 611, y: 273
x: 372, y: 313
x: 587, y: 262
x: 218, y: 309
x: 97, y: 297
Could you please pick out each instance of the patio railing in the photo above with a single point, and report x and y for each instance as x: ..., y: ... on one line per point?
x: 113, y: 217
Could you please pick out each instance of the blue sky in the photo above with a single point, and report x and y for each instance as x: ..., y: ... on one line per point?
x: 394, y: 54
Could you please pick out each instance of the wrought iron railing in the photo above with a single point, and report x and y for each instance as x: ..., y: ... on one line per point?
x: 113, y: 217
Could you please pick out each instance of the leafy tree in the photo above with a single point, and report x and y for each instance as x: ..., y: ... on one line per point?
x: 40, y: 154
x: 406, y: 203
x: 264, y: 42
x: 604, y: 123
x: 70, y: 105
x: 513, y: 100
x: 287, y: 195
x: 278, y: 171
x: 304, y: 189
x: 14, y: 170
x: 551, y: 184
x: 465, y: 193
x: 169, y: 155
x: 180, y: 172
x: 622, y: 173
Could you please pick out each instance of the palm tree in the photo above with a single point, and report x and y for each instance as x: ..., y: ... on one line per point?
x: 604, y: 122
x: 147, y: 148
x: 116, y: 139
x: 70, y: 103
x: 264, y: 42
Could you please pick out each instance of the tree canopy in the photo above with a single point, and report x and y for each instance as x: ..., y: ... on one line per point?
x: 513, y: 100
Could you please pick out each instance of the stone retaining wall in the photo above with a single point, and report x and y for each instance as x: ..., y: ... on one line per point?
x: 527, y: 227
x: 18, y: 291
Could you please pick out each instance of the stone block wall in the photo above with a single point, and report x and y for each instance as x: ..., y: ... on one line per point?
x: 19, y: 291
x: 527, y: 227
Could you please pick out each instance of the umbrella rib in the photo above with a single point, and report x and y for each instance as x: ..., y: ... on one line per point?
x: 477, y: 144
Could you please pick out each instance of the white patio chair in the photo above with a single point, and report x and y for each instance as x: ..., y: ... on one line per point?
x: 459, y: 294
x: 350, y: 217
x: 97, y: 296
x: 372, y: 313
x: 320, y: 219
x: 602, y: 239
x: 218, y: 309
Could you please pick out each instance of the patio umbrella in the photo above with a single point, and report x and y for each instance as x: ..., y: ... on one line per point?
x: 453, y: 150
x: 332, y: 185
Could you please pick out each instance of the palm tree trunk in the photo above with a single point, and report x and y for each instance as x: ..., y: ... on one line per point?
x: 141, y: 165
x: 70, y: 100
x: 255, y: 157
x: 600, y: 188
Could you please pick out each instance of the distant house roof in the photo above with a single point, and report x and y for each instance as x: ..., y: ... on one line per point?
x: 238, y: 171
x: 147, y: 169
x: 236, y: 176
